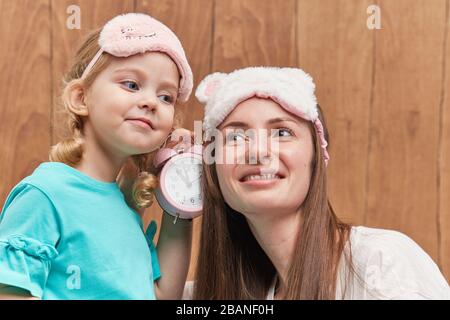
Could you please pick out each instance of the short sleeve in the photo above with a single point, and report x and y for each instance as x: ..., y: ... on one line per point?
x: 150, y: 233
x: 29, y: 232
x: 393, y: 266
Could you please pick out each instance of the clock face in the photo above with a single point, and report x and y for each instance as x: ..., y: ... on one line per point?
x: 182, y: 181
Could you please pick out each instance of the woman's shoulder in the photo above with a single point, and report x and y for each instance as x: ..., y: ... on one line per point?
x: 367, y: 241
x: 379, y: 239
x: 392, y: 265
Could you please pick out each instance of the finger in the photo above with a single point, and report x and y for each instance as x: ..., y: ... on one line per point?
x: 180, y: 136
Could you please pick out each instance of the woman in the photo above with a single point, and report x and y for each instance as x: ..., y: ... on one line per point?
x: 268, y: 228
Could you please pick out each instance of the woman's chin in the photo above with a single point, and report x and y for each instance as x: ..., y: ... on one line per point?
x: 262, y: 205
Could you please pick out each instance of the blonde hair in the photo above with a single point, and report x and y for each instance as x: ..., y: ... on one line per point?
x: 70, y: 150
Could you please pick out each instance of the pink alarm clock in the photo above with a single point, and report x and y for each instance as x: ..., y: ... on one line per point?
x: 179, y: 191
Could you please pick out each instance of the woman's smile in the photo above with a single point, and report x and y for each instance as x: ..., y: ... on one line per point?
x: 261, y: 177
x: 261, y: 181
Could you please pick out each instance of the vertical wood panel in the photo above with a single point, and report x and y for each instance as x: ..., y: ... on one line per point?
x: 94, y: 14
x: 25, y: 99
x: 252, y: 33
x: 336, y: 48
x: 404, y: 124
x: 385, y: 92
x: 444, y: 159
x: 191, y: 20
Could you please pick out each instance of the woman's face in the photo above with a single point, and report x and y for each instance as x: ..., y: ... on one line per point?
x: 272, y: 185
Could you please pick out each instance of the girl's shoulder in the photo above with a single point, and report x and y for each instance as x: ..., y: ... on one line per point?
x: 388, y: 264
x: 36, y: 188
x: 63, y: 183
x: 26, y: 197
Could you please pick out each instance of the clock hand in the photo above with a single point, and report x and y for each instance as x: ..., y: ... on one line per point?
x: 191, y: 182
x: 186, y: 174
x: 182, y: 176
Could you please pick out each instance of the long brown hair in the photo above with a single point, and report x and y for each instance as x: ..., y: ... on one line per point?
x: 231, y: 263
x: 70, y: 150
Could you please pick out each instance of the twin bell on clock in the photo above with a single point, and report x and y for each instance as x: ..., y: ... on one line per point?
x: 179, y: 190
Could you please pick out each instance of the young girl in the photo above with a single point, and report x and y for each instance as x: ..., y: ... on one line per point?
x: 268, y: 229
x: 66, y: 231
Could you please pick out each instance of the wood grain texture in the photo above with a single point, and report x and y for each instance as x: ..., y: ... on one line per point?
x: 192, y: 22
x: 253, y: 33
x: 336, y: 48
x: 404, y: 126
x: 444, y: 156
x: 25, y: 94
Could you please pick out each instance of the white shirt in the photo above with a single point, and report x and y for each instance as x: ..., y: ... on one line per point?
x: 387, y: 265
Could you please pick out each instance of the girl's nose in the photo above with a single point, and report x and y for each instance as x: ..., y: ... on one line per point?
x: 150, y: 102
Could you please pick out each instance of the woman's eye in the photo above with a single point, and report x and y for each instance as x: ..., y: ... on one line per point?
x: 235, y: 137
x: 131, y: 85
x: 283, y: 132
x: 166, y: 98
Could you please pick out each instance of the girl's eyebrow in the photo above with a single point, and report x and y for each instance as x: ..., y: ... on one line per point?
x: 142, y: 74
x: 138, y: 71
x: 271, y: 121
x: 170, y: 84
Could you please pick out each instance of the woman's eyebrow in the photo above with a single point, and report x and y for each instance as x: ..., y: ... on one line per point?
x: 276, y: 120
x: 238, y: 124
x: 241, y: 124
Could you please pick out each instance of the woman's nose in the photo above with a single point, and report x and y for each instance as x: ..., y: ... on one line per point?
x: 260, y: 148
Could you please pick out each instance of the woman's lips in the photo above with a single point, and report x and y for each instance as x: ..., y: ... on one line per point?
x: 261, y: 179
x: 261, y: 182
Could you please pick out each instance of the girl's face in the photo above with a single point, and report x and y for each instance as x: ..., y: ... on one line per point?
x: 131, y: 103
x: 286, y: 141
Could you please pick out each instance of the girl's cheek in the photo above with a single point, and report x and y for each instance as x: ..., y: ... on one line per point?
x: 166, y: 123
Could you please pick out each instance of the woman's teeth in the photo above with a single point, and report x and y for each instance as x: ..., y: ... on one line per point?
x: 262, y: 177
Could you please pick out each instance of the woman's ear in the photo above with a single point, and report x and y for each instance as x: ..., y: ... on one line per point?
x: 74, y: 97
x: 208, y: 86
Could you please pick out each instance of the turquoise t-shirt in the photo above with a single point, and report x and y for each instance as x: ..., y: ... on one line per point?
x: 64, y: 235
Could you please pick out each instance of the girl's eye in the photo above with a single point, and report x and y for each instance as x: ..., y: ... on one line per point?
x: 131, y: 85
x: 167, y: 98
x: 283, y: 132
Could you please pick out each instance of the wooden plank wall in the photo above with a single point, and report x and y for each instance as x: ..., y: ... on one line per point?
x: 386, y: 93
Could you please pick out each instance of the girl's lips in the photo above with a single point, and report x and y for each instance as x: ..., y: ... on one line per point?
x: 140, y: 123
